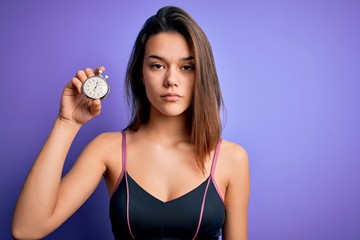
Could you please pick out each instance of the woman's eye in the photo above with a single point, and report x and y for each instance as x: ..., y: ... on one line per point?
x: 157, y: 66
x: 187, y: 67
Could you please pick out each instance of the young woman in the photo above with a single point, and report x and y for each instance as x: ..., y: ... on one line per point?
x: 169, y: 174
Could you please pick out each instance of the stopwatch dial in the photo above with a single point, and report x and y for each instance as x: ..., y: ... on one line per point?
x: 96, y: 88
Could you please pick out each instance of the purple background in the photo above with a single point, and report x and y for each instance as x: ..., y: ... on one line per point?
x: 289, y: 72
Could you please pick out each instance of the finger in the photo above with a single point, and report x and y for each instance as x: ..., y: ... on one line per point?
x: 77, y: 84
x: 89, y: 72
x: 102, y: 68
x: 95, y: 107
x: 81, y: 75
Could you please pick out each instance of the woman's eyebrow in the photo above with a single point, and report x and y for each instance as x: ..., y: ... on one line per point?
x: 188, y: 58
x: 163, y: 59
x: 156, y: 57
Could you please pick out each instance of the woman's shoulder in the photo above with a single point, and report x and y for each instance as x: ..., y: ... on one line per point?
x: 108, y: 137
x: 106, y: 142
x: 233, y: 156
x: 233, y: 150
x: 107, y: 146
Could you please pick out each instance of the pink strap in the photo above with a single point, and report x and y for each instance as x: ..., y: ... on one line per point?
x: 128, y: 206
x: 213, y: 167
x: 207, y: 187
x: 123, y: 160
x: 216, y: 155
x: 202, y: 208
x: 123, y: 150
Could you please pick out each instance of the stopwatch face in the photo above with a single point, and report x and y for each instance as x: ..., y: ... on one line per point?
x: 96, y: 87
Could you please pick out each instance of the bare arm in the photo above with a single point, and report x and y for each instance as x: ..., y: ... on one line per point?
x: 46, y: 200
x: 237, y: 196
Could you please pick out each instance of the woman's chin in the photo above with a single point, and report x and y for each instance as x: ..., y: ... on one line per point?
x: 172, y: 112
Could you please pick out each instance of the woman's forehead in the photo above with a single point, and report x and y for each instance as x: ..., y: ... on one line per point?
x: 168, y: 46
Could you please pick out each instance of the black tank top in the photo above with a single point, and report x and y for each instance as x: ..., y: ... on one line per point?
x: 136, y: 214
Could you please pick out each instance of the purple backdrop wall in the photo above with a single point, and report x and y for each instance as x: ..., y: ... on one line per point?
x: 289, y: 72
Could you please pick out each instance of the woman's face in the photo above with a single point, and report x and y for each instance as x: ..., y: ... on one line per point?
x: 168, y: 73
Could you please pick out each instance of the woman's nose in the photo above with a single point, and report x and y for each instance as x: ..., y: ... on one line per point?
x: 171, y: 79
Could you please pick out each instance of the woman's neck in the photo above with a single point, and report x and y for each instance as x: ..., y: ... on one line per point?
x: 166, y: 129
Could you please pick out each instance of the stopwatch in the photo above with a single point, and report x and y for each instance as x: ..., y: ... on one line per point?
x: 96, y: 87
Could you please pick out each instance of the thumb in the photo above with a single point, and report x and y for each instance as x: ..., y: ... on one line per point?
x: 95, y: 107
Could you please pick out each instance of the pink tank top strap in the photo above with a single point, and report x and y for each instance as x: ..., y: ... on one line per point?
x: 124, y: 174
x: 123, y: 161
x: 216, y: 155
x: 123, y: 151
x: 213, y: 168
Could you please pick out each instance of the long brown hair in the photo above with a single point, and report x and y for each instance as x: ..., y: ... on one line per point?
x: 203, y: 119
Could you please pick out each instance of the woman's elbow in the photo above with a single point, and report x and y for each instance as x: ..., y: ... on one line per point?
x: 20, y: 232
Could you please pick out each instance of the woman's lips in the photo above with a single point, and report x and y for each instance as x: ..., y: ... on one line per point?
x: 171, y: 97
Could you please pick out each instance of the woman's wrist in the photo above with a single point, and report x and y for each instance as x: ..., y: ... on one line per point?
x: 66, y: 124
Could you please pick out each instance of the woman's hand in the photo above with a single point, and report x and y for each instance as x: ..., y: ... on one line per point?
x: 74, y: 106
